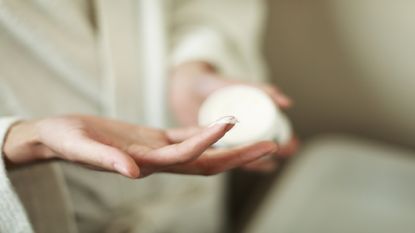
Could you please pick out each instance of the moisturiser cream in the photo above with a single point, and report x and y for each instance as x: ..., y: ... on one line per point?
x: 259, y: 117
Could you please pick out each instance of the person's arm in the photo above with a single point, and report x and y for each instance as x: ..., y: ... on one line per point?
x: 215, y: 44
x: 106, y: 144
x: 226, y: 34
x: 131, y: 150
x: 12, y: 217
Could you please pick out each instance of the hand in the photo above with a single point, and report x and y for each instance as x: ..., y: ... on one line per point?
x: 131, y: 150
x: 193, y: 82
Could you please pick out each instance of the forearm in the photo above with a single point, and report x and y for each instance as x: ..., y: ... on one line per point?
x: 195, y: 76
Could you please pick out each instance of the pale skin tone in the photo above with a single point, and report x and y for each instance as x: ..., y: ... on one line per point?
x: 137, y: 151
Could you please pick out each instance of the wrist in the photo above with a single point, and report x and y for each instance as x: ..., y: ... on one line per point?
x: 201, y: 78
x: 22, y: 143
x: 193, y: 68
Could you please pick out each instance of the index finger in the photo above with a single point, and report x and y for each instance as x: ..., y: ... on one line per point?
x: 180, y: 134
x: 190, y: 148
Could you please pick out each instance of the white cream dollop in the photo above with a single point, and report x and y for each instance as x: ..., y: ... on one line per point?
x: 259, y: 118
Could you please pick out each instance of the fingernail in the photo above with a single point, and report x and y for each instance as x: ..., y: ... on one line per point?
x: 226, y: 120
x: 121, y: 169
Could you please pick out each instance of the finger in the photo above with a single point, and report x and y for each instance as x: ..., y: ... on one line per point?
x: 290, y: 148
x: 181, y: 134
x: 220, y: 160
x: 264, y: 164
x: 278, y: 96
x: 190, y: 148
x: 91, y: 152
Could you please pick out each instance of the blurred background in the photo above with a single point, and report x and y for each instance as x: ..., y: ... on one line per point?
x: 350, y: 67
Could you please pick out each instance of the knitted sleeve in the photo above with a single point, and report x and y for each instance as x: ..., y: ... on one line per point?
x: 227, y: 34
x: 13, y: 218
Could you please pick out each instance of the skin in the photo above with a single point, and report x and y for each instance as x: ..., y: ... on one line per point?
x: 136, y: 151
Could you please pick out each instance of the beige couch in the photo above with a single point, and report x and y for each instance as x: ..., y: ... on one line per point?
x: 350, y: 66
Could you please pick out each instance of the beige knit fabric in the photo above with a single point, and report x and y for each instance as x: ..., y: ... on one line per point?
x: 13, y: 218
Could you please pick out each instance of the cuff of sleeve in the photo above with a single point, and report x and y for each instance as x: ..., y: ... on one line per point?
x: 209, y: 46
x: 13, y: 218
x: 5, y: 124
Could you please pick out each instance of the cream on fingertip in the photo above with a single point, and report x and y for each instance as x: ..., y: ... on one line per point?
x: 231, y: 120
